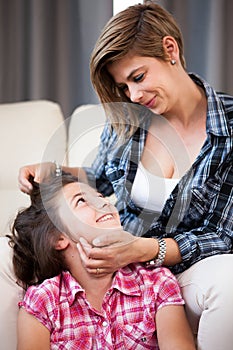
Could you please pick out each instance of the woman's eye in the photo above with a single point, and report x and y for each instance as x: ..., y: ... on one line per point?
x: 123, y: 88
x: 139, y: 77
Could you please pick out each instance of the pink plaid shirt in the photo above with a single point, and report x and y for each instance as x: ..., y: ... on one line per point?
x: 127, y: 320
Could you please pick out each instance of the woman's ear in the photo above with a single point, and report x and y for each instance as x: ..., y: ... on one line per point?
x: 170, y: 47
x: 62, y: 243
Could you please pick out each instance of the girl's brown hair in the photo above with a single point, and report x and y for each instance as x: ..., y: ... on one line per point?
x: 35, y: 232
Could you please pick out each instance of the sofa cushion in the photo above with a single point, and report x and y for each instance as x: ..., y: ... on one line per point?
x: 31, y: 132
x: 85, y: 127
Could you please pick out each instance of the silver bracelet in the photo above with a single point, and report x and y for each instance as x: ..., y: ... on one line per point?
x: 159, y: 259
x: 58, y: 169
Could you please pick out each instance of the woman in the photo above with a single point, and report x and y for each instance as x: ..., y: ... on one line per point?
x: 65, y: 307
x: 171, y: 171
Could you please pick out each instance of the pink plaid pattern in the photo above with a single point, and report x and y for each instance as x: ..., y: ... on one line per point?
x: 127, y: 320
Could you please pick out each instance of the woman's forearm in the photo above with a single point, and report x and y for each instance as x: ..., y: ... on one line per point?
x: 148, y: 248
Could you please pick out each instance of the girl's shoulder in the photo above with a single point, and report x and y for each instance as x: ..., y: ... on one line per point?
x: 158, y: 274
x: 49, y: 287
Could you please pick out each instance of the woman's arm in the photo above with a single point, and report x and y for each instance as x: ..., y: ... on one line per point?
x: 120, y: 248
x: 173, y: 329
x: 31, y: 334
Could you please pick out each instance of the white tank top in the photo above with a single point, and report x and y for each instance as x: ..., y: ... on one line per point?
x: 150, y: 191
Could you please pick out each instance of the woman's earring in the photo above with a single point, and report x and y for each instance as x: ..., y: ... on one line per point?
x: 173, y: 62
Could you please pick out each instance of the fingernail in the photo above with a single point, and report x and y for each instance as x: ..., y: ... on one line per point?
x: 96, y: 241
x: 82, y: 241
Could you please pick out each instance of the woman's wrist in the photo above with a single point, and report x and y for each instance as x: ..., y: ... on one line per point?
x: 147, y: 248
x: 58, y: 168
x: 159, y: 258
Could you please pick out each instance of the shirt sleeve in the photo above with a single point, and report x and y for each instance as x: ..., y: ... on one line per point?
x: 168, y: 292
x: 206, y: 228
x: 39, y: 303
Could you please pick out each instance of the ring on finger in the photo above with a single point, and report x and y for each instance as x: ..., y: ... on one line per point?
x: 97, y: 270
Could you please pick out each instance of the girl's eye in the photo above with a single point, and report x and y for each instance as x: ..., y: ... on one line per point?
x: 138, y: 78
x: 80, y: 201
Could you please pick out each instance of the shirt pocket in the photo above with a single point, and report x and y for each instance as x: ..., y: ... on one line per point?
x: 202, y: 198
x: 139, y: 336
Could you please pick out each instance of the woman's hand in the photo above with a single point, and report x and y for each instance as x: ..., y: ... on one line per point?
x: 38, y: 171
x: 115, y: 250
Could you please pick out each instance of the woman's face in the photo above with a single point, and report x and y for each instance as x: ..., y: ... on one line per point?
x: 85, y: 212
x: 147, y: 81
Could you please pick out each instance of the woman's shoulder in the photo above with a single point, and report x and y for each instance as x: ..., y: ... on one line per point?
x: 227, y: 101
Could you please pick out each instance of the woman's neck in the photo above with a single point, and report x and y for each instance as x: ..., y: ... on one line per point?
x: 190, y: 105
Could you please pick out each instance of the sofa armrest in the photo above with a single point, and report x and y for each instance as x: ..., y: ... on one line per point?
x: 10, y: 294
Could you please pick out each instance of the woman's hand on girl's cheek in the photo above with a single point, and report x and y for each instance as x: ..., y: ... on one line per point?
x: 113, y: 238
x: 124, y: 249
x: 86, y: 252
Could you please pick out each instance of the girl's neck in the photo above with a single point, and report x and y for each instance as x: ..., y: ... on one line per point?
x: 94, y: 286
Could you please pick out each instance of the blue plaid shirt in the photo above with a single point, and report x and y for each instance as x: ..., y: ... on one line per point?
x: 199, y: 212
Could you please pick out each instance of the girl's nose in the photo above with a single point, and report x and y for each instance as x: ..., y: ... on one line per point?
x: 98, y: 202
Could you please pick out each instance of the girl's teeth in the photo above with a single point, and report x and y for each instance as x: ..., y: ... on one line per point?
x: 105, y: 218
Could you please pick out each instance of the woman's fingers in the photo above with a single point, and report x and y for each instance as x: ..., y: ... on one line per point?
x: 93, y: 266
x: 38, y: 171
x: 24, y: 174
x: 113, y: 238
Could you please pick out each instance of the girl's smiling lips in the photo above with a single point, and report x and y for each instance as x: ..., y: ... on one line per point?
x: 105, y: 217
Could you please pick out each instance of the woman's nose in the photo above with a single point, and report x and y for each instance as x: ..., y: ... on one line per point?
x: 135, y: 94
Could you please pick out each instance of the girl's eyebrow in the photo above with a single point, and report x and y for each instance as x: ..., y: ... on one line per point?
x: 81, y: 194
x: 77, y: 195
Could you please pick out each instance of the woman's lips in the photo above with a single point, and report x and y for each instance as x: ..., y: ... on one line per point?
x: 150, y: 104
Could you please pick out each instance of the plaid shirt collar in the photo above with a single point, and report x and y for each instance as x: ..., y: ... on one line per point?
x: 219, y: 126
x: 124, y: 281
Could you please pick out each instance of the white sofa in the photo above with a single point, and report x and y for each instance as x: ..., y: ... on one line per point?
x: 33, y: 132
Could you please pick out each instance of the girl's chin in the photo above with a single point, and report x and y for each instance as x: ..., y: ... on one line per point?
x: 107, y: 228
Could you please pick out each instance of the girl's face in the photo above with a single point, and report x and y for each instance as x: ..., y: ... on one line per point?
x: 85, y: 212
x: 147, y: 81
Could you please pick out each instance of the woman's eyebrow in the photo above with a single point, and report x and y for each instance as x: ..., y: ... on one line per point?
x: 128, y: 77
x: 132, y: 73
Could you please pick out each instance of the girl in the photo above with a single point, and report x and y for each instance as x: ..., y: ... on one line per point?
x: 65, y: 307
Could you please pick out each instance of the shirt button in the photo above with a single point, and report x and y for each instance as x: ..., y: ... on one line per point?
x: 105, y: 323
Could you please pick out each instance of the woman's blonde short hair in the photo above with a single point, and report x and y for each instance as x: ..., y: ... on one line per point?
x: 140, y: 30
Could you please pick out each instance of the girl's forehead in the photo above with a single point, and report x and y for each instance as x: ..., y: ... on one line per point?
x: 79, y: 188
